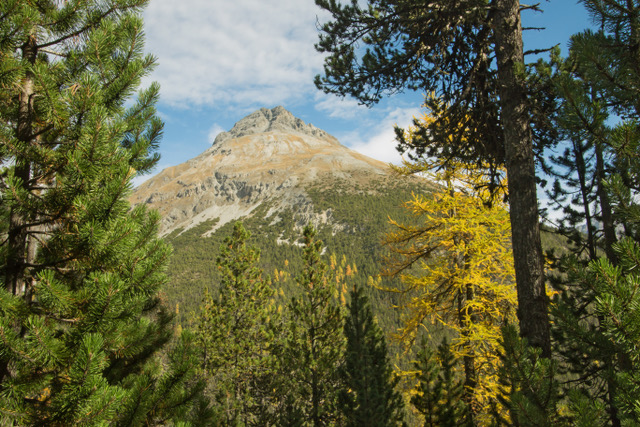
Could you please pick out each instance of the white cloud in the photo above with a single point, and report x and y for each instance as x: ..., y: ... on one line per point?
x: 335, y: 106
x: 237, y: 52
x: 381, y: 143
x: 213, y: 132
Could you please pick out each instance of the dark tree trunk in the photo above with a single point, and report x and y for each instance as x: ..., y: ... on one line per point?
x: 470, y: 382
x: 609, y: 232
x: 20, y: 251
x: 527, y: 248
x: 608, y: 227
x: 469, y: 359
x: 581, y: 168
x: 17, y: 234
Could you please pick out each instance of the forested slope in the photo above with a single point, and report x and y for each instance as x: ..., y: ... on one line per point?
x: 356, y: 222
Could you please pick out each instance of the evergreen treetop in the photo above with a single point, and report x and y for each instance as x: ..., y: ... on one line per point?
x: 235, y: 332
x: 80, y: 314
x: 368, y: 396
x: 314, y: 345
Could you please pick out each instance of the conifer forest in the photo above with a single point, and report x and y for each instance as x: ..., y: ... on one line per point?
x: 494, y: 281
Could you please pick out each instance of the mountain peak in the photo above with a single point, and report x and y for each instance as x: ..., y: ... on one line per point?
x: 277, y: 119
x: 269, y: 158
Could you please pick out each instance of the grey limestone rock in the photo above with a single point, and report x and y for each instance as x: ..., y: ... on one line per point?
x: 277, y: 119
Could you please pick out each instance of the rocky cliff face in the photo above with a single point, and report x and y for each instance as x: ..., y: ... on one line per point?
x: 270, y: 155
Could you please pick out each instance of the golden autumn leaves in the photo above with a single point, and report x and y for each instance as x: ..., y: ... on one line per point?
x: 456, y: 269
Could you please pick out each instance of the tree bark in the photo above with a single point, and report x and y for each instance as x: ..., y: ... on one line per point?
x: 527, y: 248
x: 581, y: 168
x: 465, y: 319
x: 19, y: 248
x: 608, y: 226
x: 18, y: 233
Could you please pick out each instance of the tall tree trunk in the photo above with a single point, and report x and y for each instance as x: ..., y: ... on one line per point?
x: 608, y: 227
x: 315, y: 385
x: 527, y: 247
x: 466, y: 319
x: 467, y: 359
x: 17, y: 235
x: 19, y: 252
x: 609, y: 231
x: 581, y: 168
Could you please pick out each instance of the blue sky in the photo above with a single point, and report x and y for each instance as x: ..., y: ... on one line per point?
x: 220, y: 60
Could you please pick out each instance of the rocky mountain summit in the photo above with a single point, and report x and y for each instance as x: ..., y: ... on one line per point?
x: 270, y: 155
x: 277, y: 119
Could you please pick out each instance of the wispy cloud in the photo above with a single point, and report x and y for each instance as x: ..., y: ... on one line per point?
x: 237, y: 52
x: 380, y: 142
x: 336, y: 107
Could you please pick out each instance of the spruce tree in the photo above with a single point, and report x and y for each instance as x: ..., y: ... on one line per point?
x: 368, y: 396
x: 81, y: 321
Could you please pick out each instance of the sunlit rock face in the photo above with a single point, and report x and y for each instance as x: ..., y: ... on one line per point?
x: 270, y: 155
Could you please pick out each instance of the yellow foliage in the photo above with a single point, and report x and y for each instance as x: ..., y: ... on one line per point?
x: 456, y: 268
x: 339, y: 274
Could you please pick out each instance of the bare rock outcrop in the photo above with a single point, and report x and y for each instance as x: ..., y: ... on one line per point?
x: 270, y: 155
x: 277, y: 119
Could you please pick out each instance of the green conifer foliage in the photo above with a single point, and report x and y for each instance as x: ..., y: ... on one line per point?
x: 235, y: 333
x: 600, y: 80
x: 368, y: 396
x: 80, y: 317
x: 529, y: 383
x: 581, y: 168
x: 439, y: 396
x: 314, y: 346
x: 603, y: 333
x: 607, y: 363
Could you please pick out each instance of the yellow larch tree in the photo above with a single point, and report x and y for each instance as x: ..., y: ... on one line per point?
x: 456, y: 270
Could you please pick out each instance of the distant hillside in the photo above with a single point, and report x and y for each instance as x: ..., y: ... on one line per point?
x: 276, y: 174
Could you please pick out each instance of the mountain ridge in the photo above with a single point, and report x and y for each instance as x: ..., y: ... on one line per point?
x: 270, y: 120
x: 277, y: 174
x: 269, y: 155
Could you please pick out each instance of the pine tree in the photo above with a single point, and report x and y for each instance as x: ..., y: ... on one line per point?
x: 314, y: 345
x: 581, y: 170
x: 599, y: 348
x: 618, y: 307
x: 469, y: 54
x: 530, y: 385
x: 235, y: 333
x: 80, y: 317
x: 600, y: 80
x: 368, y: 396
x: 439, y: 395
